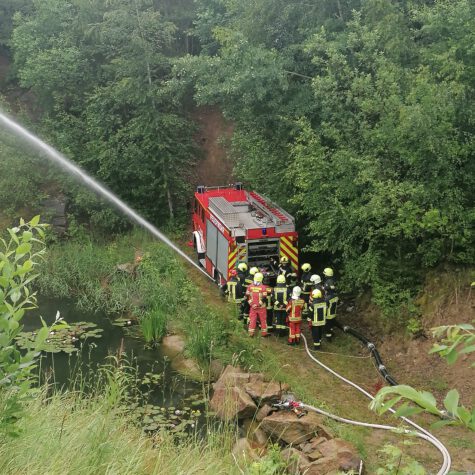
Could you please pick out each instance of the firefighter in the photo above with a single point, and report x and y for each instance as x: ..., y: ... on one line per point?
x: 284, y: 268
x: 317, y: 318
x: 270, y: 316
x: 256, y: 295
x: 316, y: 284
x: 331, y: 300
x: 295, y: 309
x: 305, y: 282
x: 235, y: 291
x: 242, y: 275
x: 280, y: 303
x: 250, y: 277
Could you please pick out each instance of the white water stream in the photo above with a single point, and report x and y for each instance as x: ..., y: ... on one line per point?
x: 73, y: 170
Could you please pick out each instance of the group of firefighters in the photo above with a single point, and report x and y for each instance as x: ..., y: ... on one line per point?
x: 282, y: 309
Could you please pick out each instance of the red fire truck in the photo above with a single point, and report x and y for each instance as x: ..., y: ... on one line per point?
x: 232, y: 225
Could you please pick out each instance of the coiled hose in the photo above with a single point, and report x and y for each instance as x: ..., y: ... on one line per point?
x: 421, y: 432
x: 374, y: 352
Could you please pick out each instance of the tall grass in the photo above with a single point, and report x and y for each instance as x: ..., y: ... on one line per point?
x: 153, y: 324
x: 77, y: 434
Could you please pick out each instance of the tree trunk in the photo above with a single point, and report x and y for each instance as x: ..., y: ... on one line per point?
x: 170, y: 203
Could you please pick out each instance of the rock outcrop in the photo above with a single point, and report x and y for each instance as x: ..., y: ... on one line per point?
x: 312, y: 448
x: 291, y: 429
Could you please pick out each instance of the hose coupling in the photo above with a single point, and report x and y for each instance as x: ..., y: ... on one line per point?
x: 345, y: 328
x: 371, y: 346
x: 381, y: 367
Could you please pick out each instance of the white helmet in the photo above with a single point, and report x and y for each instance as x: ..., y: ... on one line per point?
x: 296, y: 291
x: 315, y: 279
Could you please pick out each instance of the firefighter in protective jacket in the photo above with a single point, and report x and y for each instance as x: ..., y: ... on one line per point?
x: 280, y: 300
x: 317, y: 318
x: 242, y: 275
x: 305, y: 282
x: 295, y: 309
x: 331, y: 300
x: 270, y: 319
x: 234, y: 291
x: 256, y: 295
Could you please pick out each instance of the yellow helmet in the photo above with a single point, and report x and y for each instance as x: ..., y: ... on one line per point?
x: 258, y: 277
x: 317, y: 294
x: 306, y: 267
x: 284, y: 259
x: 281, y: 279
x: 253, y: 270
x: 328, y: 272
x: 242, y: 266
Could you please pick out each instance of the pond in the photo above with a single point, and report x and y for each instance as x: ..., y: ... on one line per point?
x: 172, y: 400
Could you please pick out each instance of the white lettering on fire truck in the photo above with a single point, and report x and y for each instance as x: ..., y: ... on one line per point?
x: 217, y: 223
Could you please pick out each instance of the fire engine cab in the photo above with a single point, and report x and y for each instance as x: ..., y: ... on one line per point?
x: 232, y: 225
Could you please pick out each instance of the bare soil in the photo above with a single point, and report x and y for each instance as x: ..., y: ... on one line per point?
x: 214, y: 134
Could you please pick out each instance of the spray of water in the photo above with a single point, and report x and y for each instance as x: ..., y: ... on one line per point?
x: 92, y: 184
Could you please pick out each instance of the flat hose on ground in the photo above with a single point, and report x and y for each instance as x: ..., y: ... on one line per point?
x: 421, y: 432
x: 372, y: 348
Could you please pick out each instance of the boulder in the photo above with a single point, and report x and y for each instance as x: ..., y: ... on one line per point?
x: 232, y: 402
x: 288, y: 427
x: 333, y: 456
x: 264, y: 411
x: 243, y: 450
x: 295, y: 459
x: 233, y: 376
x: 173, y: 345
x: 336, y: 446
x: 253, y: 432
x: 323, y: 466
x: 261, y: 390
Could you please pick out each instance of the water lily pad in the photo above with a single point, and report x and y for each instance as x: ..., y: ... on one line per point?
x: 63, y: 337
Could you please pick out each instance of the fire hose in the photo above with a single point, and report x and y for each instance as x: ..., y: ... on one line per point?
x: 372, y: 348
x: 420, y: 431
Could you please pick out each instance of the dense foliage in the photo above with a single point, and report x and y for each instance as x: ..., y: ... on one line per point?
x: 363, y: 114
x: 357, y: 115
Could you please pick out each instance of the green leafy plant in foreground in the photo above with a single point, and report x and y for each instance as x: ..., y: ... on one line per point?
x: 458, y: 340
x: 397, y: 463
x: 19, y: 254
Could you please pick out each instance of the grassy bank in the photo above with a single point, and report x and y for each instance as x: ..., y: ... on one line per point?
x: 78, y: 434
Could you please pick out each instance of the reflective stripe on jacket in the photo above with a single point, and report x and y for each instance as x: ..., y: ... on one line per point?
x: 295, y: 309
x: 319, y: 310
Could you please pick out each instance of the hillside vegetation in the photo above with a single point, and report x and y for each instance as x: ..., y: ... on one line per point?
x: 356, y: 115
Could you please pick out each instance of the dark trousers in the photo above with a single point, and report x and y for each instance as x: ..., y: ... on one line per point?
x: 245, y: 311
x: 280, y: 317
x: 317, y: 335
x: 270, y: 320
x: 329, y: 324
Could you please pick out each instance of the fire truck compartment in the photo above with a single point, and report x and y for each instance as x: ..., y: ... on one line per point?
x: 217, y: 248
x: 261, y: 252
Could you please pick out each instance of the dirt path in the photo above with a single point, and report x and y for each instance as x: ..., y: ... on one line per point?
x: 214, y: 131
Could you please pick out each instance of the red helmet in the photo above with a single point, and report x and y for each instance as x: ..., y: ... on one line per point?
x: 233, y: 272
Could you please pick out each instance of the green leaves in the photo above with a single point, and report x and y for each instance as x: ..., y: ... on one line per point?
x: 458, y: 340
x: 425, y: 401
x: 17, y: 259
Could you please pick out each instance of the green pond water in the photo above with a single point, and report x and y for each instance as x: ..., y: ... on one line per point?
x: 172, y: 401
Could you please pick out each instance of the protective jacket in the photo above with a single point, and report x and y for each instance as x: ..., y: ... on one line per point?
x: 256, y: 296
x: 330, y: 297
x: 295, y: 308
x: 279, y: 303
x: 306, y: 285
x: 234, y: 290
x: 318, y: 310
